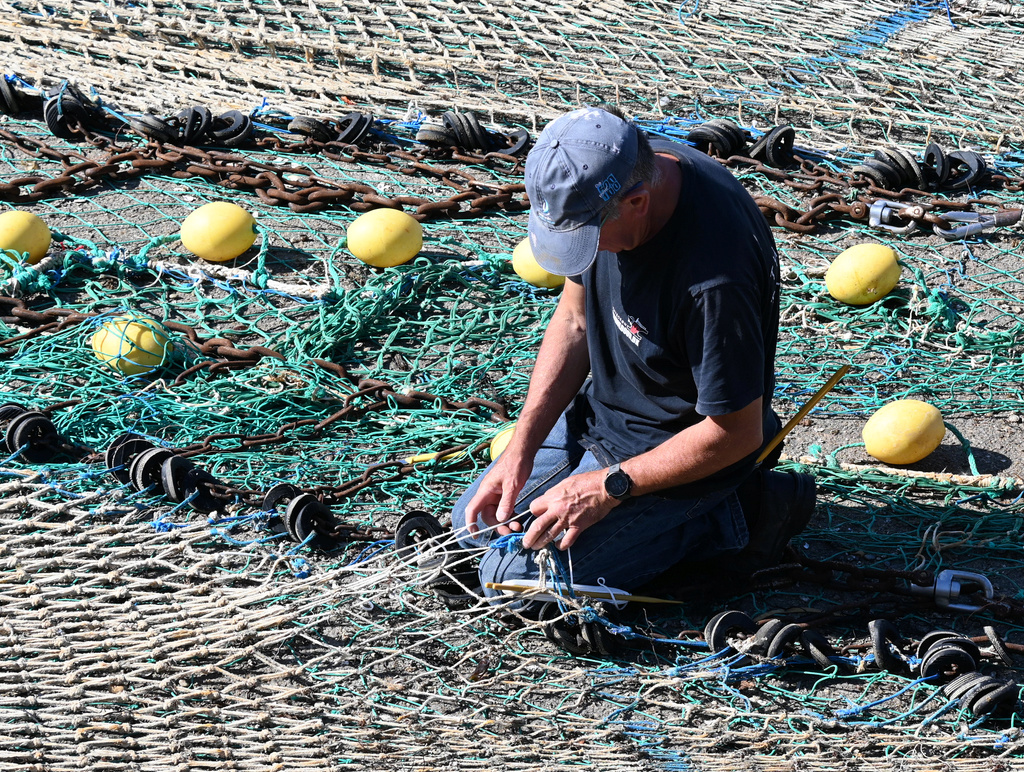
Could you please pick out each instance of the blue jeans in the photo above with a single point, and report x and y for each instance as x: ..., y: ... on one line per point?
x: 636, y: 541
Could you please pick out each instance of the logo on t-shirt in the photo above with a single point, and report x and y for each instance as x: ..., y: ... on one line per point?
x: 631, y: 327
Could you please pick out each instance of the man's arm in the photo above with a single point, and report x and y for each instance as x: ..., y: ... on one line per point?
x: 560, y: 370
x: 707, y: 447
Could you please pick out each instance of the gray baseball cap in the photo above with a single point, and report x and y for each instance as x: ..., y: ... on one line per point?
x: 580, y: 161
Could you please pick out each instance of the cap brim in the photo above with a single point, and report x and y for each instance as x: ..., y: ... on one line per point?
x: 564, y: 253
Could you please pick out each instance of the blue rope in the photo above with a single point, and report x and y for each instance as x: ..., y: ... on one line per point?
x: 858, y: 709
x: 683, y: 17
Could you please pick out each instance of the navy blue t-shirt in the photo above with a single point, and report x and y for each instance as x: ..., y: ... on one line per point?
x: 685, y: 326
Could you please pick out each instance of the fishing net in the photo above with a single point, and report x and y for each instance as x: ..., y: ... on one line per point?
x: 141, y: 633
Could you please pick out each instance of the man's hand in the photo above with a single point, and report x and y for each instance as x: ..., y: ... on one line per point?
x: 572, y: 506
x: 493, y: 503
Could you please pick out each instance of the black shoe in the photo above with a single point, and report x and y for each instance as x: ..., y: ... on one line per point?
x: 777, y: 506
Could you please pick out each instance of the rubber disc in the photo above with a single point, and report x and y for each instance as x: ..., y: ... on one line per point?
x: 197, y: 479
x: 172, y: 477
x: 120, y: 453
x: 37, y: 431
x: 145, y: 469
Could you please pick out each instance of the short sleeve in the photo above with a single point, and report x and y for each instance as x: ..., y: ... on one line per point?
x: 725, y: 345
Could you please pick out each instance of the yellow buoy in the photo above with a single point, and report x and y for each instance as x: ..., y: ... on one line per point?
x: 524, y: 264
x: 385, y: 237
x: 903, y: 432
x: 24, y: 232
x: 501, y: 440
x: 218, y: 231
x: 862, y: 274
x: 132, y: 344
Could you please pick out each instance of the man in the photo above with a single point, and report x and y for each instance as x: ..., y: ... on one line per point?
x: 671, y: 309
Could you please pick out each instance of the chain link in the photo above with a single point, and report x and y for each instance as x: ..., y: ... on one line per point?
x: 830, y: 204
x: 299, y: 188
x: 370, y: 395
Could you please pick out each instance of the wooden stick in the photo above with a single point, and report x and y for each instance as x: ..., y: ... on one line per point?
x: 829, y: 385
x: 525, y: 589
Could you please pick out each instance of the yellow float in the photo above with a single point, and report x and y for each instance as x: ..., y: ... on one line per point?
x: 385, y: 237
x: 501, y: 440
x: 526, y: 266
x: 863, y: 274
x: 132, y: 344
x: 23, y: 232
x: 903, y: 432
x: 218, y: 231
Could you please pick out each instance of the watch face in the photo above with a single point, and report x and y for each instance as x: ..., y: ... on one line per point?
x: 617, y: 484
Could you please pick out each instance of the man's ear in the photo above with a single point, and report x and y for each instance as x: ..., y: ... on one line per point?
x: 639, y: 203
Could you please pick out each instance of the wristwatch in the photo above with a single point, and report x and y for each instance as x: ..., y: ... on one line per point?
x: 617, y: 483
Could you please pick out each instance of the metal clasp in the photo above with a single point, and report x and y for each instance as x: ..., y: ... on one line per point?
x: 952, y: 585
x: 886, y: 214
x: 974, y: 223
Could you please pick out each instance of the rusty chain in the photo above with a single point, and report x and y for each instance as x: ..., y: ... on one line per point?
x: 301, y: 189
x: 846, y: 577
x: 370, y: 395
x: 829, y: 203
x: 839, y: 576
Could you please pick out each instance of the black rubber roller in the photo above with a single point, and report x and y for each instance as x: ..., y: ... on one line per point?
x: 154, y: 128
x: 563, y: 631
x: 966, y: 169
x: 725, y: 625
x: 521, y: 141
x: 963, y: 684
x: 435, y: 134
x: 66, y: 108
x: 885, y: 640
x: 121, y: 452
x: 935, y: 165
x: 196, y: 487
x: 765, y: 633
x: 944, y: 638
x: 193, y: 123
x: 778, y: 150
x: 312, y: 128
x: 34, y: 435
x: 307, y: 516
x: 172, y: 477
x: 353, y: 127
x: 999, y: 701
x: 231, y: 129
x: 145, y: 469
x: 775, y: 147
x: 786, y: 638
x: 10, y: 99
x: 8, y: 412
x: 416, y: 530
x: 881, y: 173
x: 998, y: 646
x: 600, y: 638
x: 61, y: 116
x: 281, y: 493
x: 481, y: 138
x: 722, y: 140
x: 944, y: 663
x: 817, y: 647
x: 454, y: 122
